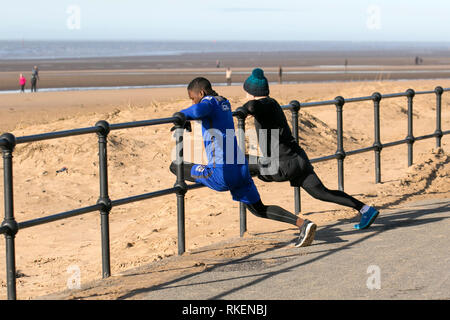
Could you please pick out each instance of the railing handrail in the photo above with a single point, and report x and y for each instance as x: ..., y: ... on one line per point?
x: 158, y: 121
x: 10, y: 227
x: 95, y: 129
x: 359, y: 99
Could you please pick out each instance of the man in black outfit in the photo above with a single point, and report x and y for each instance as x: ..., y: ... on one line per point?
x: 34, y: 78
x: 294, y: 165
x: 280, y: 74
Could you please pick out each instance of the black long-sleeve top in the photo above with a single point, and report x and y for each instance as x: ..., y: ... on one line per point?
x: 269, y: 115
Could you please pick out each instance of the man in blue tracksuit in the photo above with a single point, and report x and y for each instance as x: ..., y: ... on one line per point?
x: 225, y: 171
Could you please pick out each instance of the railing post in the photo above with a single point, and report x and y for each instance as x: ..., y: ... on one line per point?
x: 410, y: 137
x: 241, y: 115
x: 340, y: 153
x: 438, y: 132
x: 180, y: 183
x: 104, y: 196
x: 295, y: 110
x: 9, y: 219
x: 376, y: 97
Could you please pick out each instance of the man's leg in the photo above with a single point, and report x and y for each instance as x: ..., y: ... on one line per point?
x: 307, y: 228
x: 312, y: 184
x: 315, y: 188
x: 249, y: 195
x: 309, y: 181
x: 274, y: 213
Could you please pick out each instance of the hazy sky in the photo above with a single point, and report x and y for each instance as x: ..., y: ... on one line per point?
x: 389, y: 20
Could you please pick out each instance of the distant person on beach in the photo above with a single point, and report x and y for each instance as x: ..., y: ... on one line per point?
x: 294, y: 165
x: 228, y: 76
x: 217, y: 64
x: 34, y: 78
x: 345, y: 65
x: 224, y: 171
x: 22, y: 82
x: 280, y: 74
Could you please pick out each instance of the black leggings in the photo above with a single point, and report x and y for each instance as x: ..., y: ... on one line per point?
x: 33, y: 85
x: 312, y: 184
x: 300, y: 173
x: 272, y: 212
x: 258, y: 209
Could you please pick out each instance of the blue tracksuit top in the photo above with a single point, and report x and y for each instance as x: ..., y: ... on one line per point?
x: 227, y: 168
x: 217, y: 121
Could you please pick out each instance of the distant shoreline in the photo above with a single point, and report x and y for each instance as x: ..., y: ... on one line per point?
x: 90, y: 49
x: 83, y: 80
x: 241, y: 59
x: 175, y: 70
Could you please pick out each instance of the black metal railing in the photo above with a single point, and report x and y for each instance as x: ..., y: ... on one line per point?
x: 341, y: 154
x: 10, y: 226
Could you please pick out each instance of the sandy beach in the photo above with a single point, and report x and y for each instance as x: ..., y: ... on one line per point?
x: 146, y: 231
x: 298, y: 67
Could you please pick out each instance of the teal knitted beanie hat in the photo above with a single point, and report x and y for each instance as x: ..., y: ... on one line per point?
x: 257, y: 84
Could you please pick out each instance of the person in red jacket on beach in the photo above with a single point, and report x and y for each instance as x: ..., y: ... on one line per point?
x: 22, y: 82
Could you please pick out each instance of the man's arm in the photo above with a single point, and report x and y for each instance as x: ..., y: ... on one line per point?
x: 250, y: 106
x: 197, y: 111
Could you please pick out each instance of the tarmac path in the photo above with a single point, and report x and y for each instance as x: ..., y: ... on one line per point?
x: 403, y: 255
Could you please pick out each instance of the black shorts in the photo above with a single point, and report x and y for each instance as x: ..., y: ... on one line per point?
x: 294, y: 170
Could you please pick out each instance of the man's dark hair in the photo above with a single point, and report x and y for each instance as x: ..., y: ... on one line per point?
x: 202, y: 84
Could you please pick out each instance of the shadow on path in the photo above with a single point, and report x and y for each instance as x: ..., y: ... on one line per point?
x: 408, y: 217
